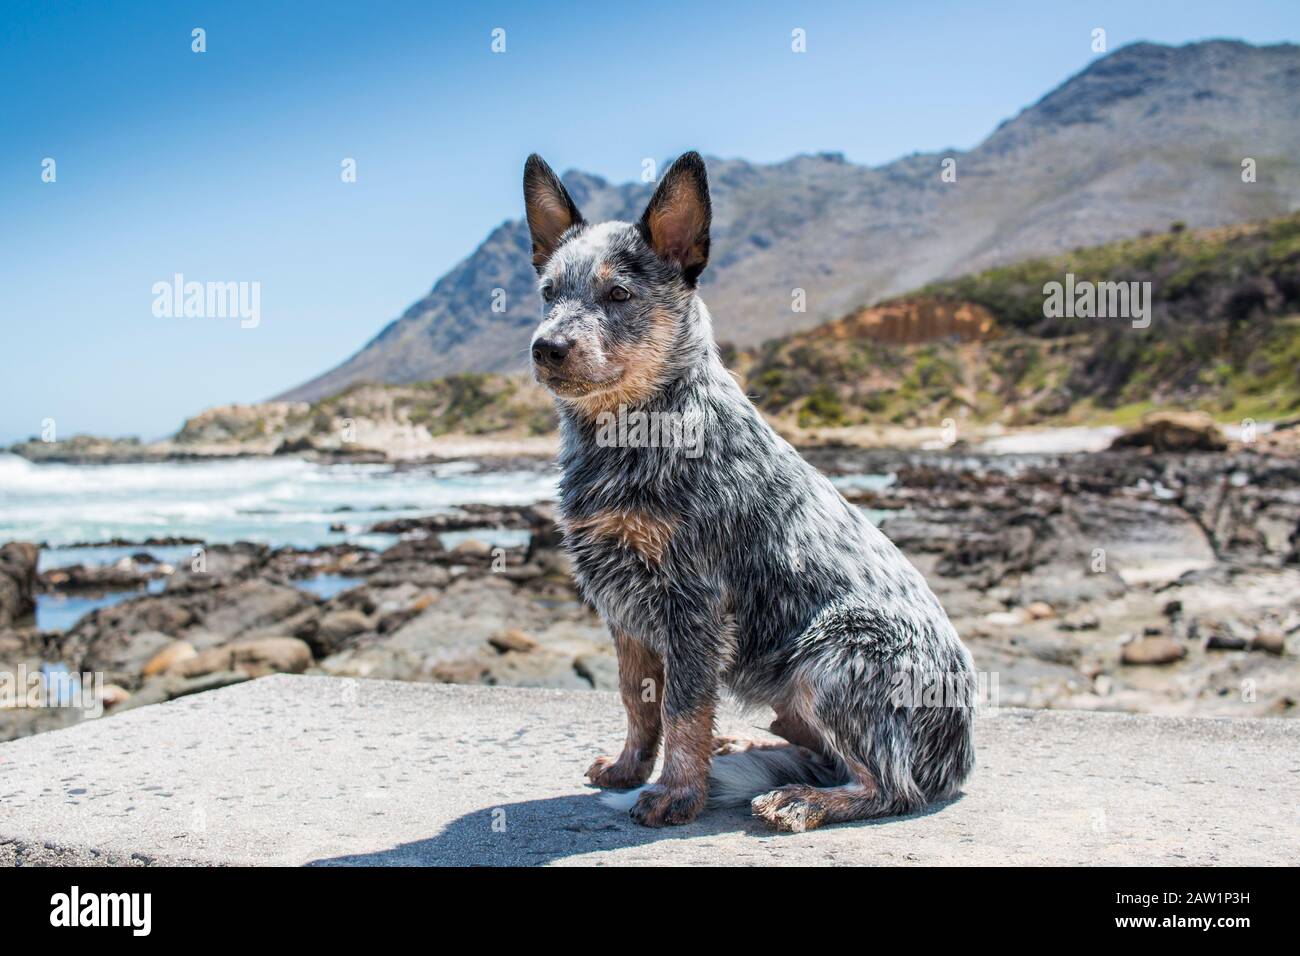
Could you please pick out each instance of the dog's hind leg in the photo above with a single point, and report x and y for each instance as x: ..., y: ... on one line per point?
x: 897, y: 758
x: 790, y: 725
x: 801, y: 807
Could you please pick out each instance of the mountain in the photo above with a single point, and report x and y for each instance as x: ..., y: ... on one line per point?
x: 1141, y: 138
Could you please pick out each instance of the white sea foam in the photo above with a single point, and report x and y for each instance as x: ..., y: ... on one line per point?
x: 278, y: 501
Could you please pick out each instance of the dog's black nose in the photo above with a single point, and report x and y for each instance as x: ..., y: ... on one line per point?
x: 550, y: 352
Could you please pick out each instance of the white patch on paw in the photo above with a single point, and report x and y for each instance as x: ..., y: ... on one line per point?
x: 624, y: 800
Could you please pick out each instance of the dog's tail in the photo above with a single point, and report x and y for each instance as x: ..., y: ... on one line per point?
x: 735, y: 779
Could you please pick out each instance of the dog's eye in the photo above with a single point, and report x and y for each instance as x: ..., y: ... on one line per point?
x: 619, y: 294
x: 548, y: 293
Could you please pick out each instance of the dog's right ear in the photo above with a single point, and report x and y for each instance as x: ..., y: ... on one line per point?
x: 551, y: 211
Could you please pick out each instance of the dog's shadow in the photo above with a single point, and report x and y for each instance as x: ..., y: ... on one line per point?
x: 537, y: 832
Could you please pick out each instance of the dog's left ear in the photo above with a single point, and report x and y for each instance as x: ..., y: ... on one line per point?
x: 676, y: 223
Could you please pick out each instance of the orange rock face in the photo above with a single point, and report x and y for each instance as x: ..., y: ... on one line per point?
x: 913, y: 322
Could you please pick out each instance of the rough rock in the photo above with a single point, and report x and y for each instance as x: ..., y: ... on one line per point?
x: 1039, y: 610
x: 253, y: 604
x: 538, y: 668
x: 1152, y: 650
x: 1174, y: 432
x: 472, y: 548
x: 255, y: 657
x: 1271, y: 642
x: 126, y: 574
x: 335, y: 628
x: 512, y: 639
x: 1080, y: 620
x: 600, y: 668
x: 123, y: 656
x: 18, y: 561
x: 212, y: 566
x: 168, y: 657
x: 111, y: 695
x: 105, y: 639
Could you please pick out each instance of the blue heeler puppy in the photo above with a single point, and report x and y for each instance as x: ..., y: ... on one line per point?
x: 734, y: 563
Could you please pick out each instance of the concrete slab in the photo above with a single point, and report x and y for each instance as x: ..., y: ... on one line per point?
x: 317, y: 770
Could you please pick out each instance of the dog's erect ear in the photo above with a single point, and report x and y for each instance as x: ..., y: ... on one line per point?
x: 676, y: 223
x: 551, y: 211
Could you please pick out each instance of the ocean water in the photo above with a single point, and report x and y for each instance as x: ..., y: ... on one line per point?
x: 276, y: 501
x: 58, y: 612
x: 327, y: 585
x: 860, y: 482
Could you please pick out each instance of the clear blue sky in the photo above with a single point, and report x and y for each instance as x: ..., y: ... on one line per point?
x: 225, y: 165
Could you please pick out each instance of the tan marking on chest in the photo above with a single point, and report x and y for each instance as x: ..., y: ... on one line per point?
x: 645, y: 534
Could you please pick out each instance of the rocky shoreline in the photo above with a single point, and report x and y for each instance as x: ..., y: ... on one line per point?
x: 1146, y: 583
x: 489, y: 452
x: 1122, y: 580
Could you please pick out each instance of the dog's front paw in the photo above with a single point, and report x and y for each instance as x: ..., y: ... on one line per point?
x: 660, y: 806
x: 618, y: 773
